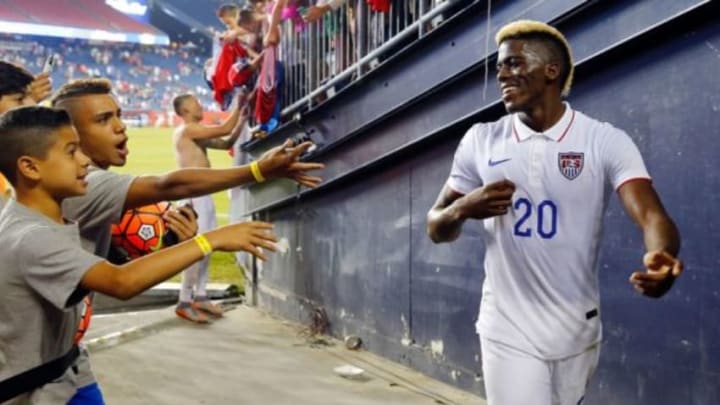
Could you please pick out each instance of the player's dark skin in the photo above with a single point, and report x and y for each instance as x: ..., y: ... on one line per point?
x: 531, y: 83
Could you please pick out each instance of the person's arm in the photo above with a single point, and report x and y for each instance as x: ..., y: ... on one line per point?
x: 252, y: 54
x: 661, y: 236
x: 626, y: 172
x: 232, y: 34
x: 446, y: 217
x: 197, y: 131
x: 272, y: 38
x: 444, y: 220
x: 317, y: 11
x: 228, y: 142
x: 465, y: 194
x: 281, y: 161
x: 223, y: 143
x: 255, y: 65
x: 126, y: 281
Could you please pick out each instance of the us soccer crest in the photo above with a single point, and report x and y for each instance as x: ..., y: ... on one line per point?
x: 571, y: 164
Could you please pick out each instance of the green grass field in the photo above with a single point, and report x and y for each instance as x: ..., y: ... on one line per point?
x: 151, y: 152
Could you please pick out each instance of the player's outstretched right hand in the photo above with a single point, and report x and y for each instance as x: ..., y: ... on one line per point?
x: 246, y: 236
x: 661, y: 270
x: 488, y: 201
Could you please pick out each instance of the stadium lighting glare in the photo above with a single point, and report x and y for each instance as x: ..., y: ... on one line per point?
x: 100, y: 35
x: 146, y: 39
x: 128, y: 6
x: 58, y: 31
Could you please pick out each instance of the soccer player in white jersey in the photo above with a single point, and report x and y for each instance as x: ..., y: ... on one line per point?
x: 540, y: 179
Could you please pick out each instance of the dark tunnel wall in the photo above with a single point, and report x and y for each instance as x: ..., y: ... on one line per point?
x: 358, y: 244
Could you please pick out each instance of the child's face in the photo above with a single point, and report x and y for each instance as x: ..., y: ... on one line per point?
x: 15, y: 100
x: 98, y: 121
x: 229, y: 20
x: 63, y: 170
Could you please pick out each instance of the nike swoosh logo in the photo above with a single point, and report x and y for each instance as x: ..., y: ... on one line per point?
x: 497, y: 162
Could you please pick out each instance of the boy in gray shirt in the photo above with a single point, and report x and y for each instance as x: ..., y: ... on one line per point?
x: 101, y: 206
x: 47, y: 273
x: 97, y: 117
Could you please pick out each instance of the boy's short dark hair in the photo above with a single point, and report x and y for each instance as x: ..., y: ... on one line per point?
x: 13, y: 79
x: 82, y: 87
x: 28, y: 131
x: 246, y: 17
x: 178, y: 102
x: 228, y: 9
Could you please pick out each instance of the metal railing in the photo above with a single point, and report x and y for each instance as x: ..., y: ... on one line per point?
x: 324, y: 56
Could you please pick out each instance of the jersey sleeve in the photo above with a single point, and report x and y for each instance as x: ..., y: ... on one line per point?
x: 464, y: 175
x: 53, y: 265
x: 103, y: 202
x: 622, y: 159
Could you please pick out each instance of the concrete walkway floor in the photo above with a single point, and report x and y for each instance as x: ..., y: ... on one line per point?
x: 248, y: 357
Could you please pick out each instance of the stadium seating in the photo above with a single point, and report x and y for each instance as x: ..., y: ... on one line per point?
x: 144, y: 77
x: 89, y: 14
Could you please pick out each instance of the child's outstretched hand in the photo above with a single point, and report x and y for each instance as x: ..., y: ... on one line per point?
x: 246, y: 236
x: 284, y: 161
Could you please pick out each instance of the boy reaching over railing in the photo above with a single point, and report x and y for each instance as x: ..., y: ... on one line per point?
x: 237, y: 61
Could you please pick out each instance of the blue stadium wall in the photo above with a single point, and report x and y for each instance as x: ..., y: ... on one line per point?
x: 358, y: 247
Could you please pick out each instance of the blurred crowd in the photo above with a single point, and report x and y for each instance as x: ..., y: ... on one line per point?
x: 144, y: 77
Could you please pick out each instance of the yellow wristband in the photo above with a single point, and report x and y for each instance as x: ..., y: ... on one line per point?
x: 204, y: 244
x: 255, y: 169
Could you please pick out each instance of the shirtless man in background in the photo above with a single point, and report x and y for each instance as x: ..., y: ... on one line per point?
x: 191, y: 141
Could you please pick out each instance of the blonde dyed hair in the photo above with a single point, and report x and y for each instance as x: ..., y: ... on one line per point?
x: 528, y: 28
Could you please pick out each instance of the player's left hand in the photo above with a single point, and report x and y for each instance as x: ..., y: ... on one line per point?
x: 661, y: 270
x: 182, y: 221
x: 284, y: 161
x: 41, y: 87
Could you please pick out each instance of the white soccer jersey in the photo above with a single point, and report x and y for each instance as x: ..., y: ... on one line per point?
x: 541, y: 294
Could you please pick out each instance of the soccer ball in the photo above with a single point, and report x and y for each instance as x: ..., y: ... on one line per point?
x: 140, y: 231
x: 4, y: 187
x: 85, y: 317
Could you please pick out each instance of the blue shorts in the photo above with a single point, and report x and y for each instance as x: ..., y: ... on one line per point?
x: 88, y: 395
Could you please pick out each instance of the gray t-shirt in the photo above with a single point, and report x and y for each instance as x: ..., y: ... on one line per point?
x: 95, y: 212
x: 43, y: 264
x: 99, y: 208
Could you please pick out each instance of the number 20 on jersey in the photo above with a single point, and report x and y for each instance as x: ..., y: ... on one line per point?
x: 535, y: 220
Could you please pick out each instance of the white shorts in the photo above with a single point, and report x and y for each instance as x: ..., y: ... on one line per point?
x: 513, y: 377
